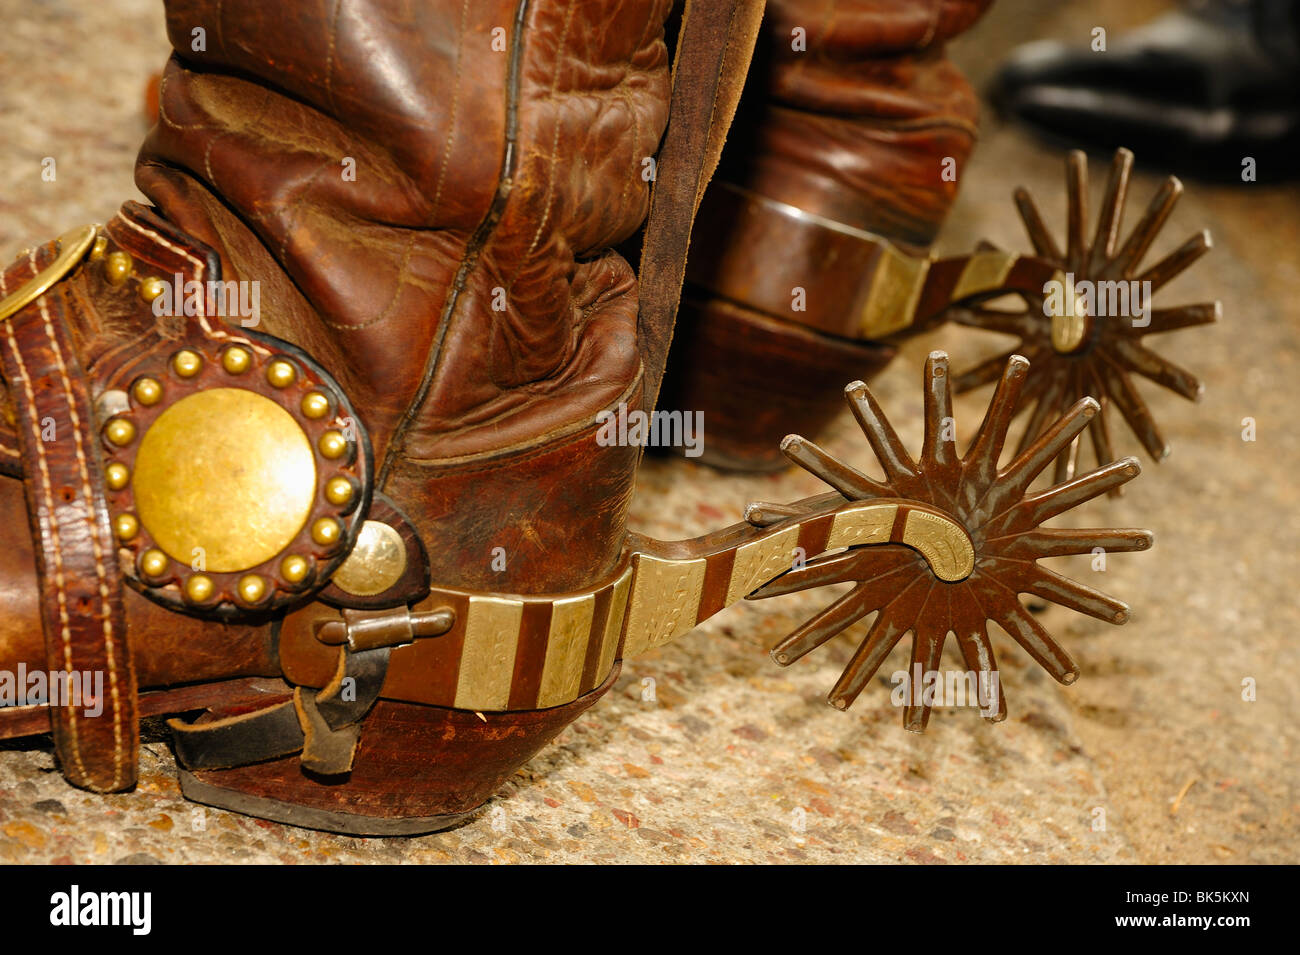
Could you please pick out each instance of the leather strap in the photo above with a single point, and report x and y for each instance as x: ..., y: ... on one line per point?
x: 714, y: 48
x: 80, y: 582
x: 323, y: 725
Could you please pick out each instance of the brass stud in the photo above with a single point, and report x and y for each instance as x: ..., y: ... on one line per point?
x: 252, y: 588
x: 280, y: 374
x: 338, y: 491
x: 151, y: 288
x: 116, y: 475
x: 332, y: 444
x: 326, y: 531
x: 199, y: 589
x: 294, y: 569
x: 315, y: 405
x: 153, y: 563
x: 120, y: 431
x: 187, y: 363
x: 236, y: 360
x: 147, y: 391
x: 126, y: 526
x: 118, y: 267
x: 99, y: 248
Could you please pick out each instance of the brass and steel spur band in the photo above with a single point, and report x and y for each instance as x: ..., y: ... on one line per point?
x: 857, y: 285
x: 955, y: 537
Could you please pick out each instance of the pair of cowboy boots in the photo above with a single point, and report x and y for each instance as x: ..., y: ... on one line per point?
x: 367, y: 528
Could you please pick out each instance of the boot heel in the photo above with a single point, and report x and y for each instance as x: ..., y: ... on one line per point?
x: 418, y: 769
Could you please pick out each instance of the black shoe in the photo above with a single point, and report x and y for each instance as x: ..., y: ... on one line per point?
x: 1200, y: 91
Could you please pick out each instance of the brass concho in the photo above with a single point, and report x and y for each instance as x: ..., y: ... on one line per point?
x: 238, y: 475
x: 376, y: 562
x: 226, y: 473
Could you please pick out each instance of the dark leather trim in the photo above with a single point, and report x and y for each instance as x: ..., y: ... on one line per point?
x: 324, y: 726
x: 308, y: 817
x: 713, y: 52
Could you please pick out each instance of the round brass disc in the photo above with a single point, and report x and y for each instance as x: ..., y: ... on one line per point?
x: 225, y: 474
x: 376, y: 563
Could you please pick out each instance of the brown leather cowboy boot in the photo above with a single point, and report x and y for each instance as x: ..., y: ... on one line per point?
x: 810, y: 254
x: 423, y: 203
x: 853, y: 121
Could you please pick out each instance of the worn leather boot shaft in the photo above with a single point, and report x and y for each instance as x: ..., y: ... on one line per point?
x: 431, y: 211
x: 852, y: 113
x: 854, y: 109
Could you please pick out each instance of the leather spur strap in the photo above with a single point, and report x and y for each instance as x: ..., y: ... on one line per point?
x: 714, y: 48
x: 324, y: 725
x: 79, y: 578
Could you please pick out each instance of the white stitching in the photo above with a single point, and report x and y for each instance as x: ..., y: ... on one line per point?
x: 198, y: 277
x: 96, y: 544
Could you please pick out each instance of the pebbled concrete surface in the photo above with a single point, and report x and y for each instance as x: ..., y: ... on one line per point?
x: 732, y: 759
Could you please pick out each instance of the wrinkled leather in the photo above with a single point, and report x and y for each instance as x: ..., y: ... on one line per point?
x: 850, y: 112
x: 248, y: 157
x: 393, y: 282
x: 855, y: 126
x: 482, y: 416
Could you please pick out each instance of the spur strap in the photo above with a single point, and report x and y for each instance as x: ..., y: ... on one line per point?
x: 714, y: 48
x: 77, y: 569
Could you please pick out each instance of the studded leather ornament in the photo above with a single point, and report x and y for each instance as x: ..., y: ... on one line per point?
x: 238, y: 475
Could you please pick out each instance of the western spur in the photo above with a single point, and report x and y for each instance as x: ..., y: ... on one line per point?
x: 280, y: 500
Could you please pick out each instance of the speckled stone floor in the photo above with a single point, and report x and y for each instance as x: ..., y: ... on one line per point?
x: 734, y: 760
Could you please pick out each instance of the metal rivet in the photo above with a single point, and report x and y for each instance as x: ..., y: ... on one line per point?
x: 315, y: 405
x: 199, y: 588
x: 126, y: 526
x: 117, y: 475
x: 338, y: 491
x: 236, y: 360
x: 118, y: 267
x: 187, y: 363
x: 376, y: 563
x: 252, y: 588
x: 120, y: 431
x: 147, y: 391
x: 294, y: 569
x: 151, y: 288
x: 112, y: 403
x: 280, y: 374
x: 326, y: 531
x: 153, y: 563
x: 332, y: 444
